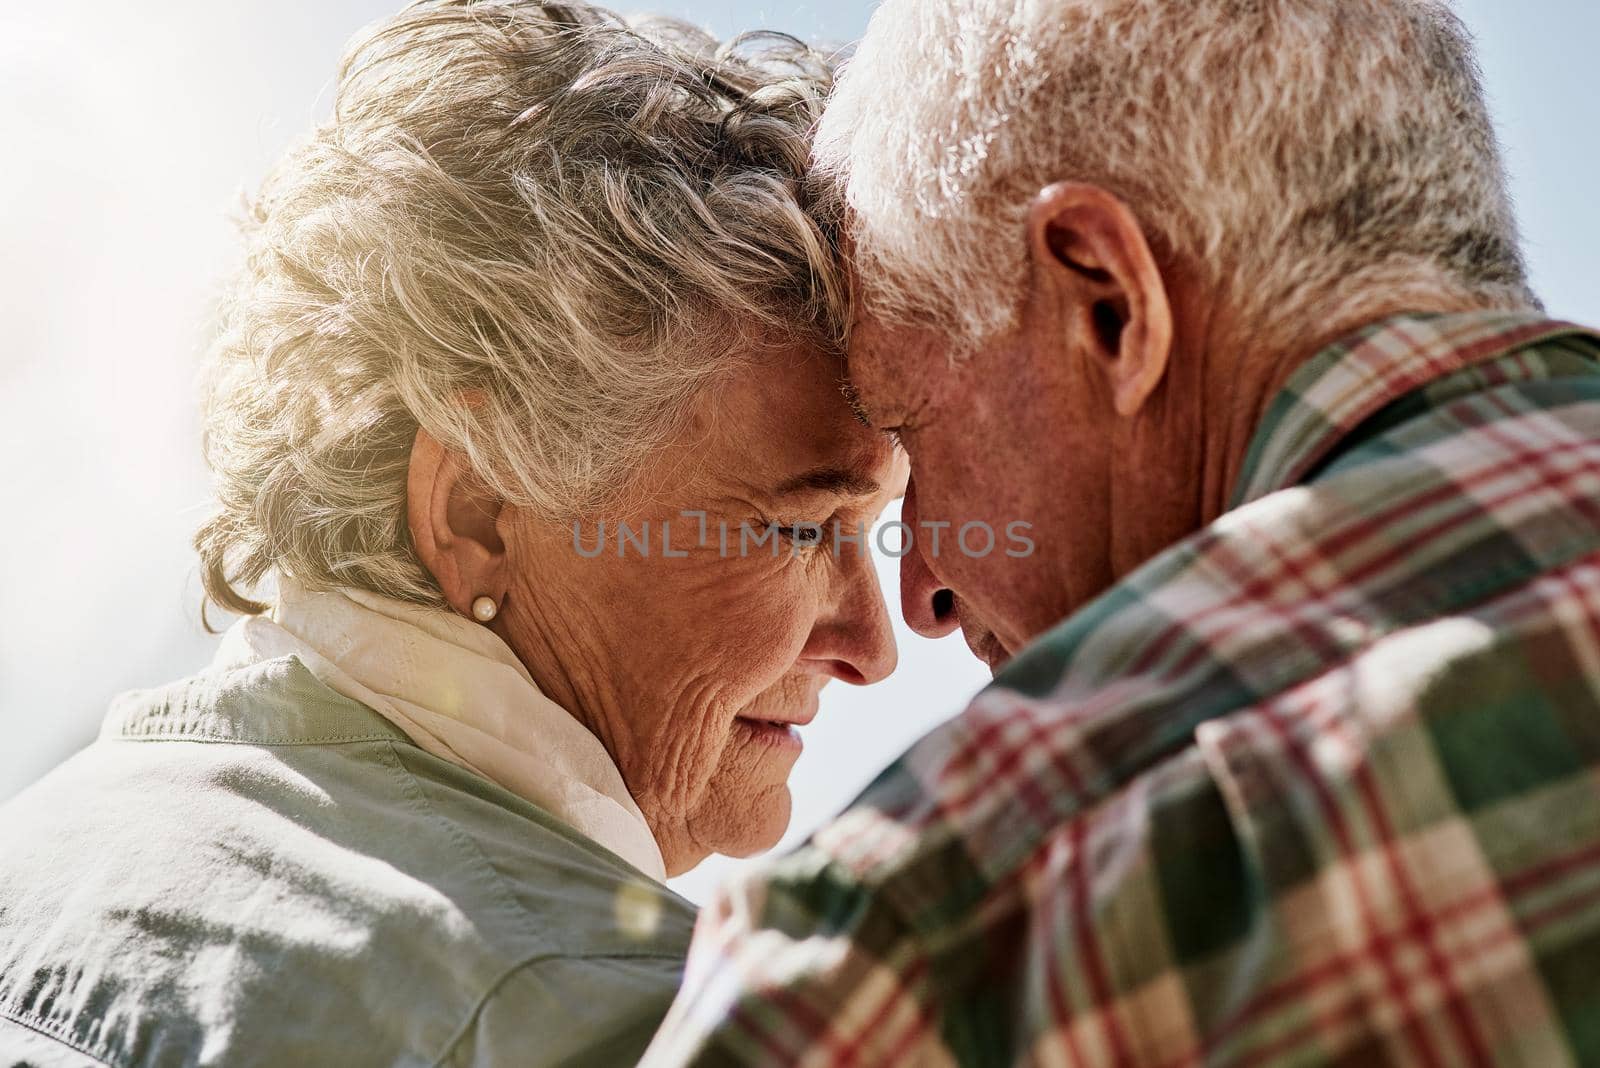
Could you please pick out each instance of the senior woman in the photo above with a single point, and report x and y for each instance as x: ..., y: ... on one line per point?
x: 526, y: 430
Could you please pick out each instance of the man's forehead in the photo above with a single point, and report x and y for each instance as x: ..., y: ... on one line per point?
x: 872, y: 344
x: 889, y: 366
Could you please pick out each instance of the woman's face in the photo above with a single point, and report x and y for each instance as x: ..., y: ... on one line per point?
x: 694, y: 645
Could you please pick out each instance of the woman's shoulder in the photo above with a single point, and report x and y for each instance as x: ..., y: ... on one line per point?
x: 248, y: 856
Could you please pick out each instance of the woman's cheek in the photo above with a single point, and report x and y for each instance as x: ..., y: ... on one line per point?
x: 769, y: 618
x: 745, y: 650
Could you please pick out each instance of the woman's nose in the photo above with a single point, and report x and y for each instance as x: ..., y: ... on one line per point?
x: 928, y: 605
x: 855, y: 642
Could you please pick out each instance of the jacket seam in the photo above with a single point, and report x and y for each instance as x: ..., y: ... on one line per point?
x: 493, y: 989
x: 413, y: 793
x: 225, y: 739
x: 500, y: 883
x: 23, y: 1018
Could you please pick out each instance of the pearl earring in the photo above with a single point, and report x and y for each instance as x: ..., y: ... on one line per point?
x: 484, y: 609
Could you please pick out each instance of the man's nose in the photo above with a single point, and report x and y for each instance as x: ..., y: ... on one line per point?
x: 928, y: 605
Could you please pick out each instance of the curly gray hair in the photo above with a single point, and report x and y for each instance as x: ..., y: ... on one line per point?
x: 534, y: 229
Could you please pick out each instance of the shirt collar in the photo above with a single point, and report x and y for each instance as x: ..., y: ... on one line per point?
x: 1354, y: 378
x: 460, y: 693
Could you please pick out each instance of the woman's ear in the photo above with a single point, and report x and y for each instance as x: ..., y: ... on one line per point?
x: 453, y: 518
x: 1090, y: 259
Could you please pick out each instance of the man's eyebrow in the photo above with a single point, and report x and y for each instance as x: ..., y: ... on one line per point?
x: 837, y: 480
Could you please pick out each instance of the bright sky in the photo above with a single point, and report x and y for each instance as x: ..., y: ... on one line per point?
x: 130, y: 131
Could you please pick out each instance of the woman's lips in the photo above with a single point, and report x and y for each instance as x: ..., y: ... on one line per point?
x: 782, y: 728
x: 769, y: 732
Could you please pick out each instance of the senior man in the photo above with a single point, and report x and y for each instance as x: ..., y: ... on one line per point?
x: 1293, y: 756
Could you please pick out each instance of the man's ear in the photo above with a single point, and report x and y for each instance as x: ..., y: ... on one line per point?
x: 453, y: 525
x: 1090, y: 259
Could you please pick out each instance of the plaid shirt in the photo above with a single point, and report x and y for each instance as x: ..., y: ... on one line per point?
x: 1318, y: 785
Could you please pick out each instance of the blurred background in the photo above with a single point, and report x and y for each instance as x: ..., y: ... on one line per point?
x: 129, y: 133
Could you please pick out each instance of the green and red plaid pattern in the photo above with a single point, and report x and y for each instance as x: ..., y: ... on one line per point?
x: 1318, y: 785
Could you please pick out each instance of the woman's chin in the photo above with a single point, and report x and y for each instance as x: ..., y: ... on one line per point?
x: 768, y: 818
x: 755, y: 825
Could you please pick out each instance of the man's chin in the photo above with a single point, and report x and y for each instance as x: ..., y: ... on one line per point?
x: 986, y: 647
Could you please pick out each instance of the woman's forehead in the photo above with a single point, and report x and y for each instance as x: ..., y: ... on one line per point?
x: 782, y: 425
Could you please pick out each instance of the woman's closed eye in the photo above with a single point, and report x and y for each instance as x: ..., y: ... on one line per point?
x: 805, y: 535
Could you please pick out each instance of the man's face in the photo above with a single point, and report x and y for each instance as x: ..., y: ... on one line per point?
x: 1014, y: 437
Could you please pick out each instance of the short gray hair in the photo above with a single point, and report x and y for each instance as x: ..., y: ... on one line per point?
x: 1306, y: 155
x: 535, y: 230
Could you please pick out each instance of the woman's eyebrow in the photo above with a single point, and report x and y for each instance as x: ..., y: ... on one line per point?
x: 852, y: 397
x: 842, y: 481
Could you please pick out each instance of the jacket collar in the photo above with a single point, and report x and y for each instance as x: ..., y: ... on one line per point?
x: 274, y: 701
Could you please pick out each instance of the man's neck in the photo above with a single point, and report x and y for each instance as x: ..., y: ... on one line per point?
x: 1245, y: 368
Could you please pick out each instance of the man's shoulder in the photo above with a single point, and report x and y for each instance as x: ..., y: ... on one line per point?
x: 219, y: 867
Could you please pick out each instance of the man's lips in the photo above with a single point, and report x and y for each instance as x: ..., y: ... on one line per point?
x: 980, y: 639
x: 985, y: 646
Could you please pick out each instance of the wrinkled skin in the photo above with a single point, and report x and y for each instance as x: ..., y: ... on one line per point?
x: 1114, y: 417
x: 676, y: 663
